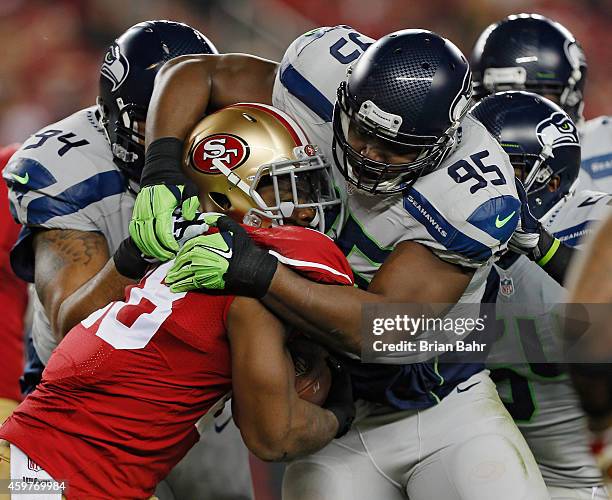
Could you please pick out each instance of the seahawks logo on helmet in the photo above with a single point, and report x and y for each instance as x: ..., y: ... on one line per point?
x: 557, y: 130
x: 115, y: 67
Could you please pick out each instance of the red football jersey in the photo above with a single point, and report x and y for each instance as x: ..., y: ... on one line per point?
x: 121, y: 394
x: 13, y: 296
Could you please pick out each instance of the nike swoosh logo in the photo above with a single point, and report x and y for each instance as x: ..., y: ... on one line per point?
x: 501, y: 223
x: 467, y: 388
x: 225, y: 255
x: 219, y: 428
x: 21, y: 180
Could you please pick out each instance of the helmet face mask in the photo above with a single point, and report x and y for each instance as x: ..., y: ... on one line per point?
x: 124, y: 130
x: 535, y: 174
x: 253, y: 163
x: 126, y: 83
x: 533, y: 53
x: 406, y: 95
x: 540, y: 170
x: 541, y: 142
x: 303, y: 183
x: 379, y: 177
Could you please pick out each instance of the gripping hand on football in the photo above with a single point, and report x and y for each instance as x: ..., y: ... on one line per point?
x: 227, y: 262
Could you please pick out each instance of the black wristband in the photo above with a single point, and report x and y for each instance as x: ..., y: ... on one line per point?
x: 545, y: 243
x: 251, y: 268
x: 554, y: 257
x: 255, y: 279
x: 163, y: 160
x: 129, y: 261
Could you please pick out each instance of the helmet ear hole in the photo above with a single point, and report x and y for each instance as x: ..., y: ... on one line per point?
x: 220, y: 200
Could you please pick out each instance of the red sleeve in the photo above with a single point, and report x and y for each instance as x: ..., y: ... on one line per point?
x: 13, y: 297
x: 306, y: 251
x: 9, y: 229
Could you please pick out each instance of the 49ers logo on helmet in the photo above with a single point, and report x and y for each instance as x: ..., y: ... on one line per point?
x: 229, y: 150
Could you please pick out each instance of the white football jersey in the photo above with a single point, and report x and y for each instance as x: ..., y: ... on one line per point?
x: 63, y: 177
x: 596, y: 143
x: 540, y: 396
x: 573, y: 217
x: 465, y: 211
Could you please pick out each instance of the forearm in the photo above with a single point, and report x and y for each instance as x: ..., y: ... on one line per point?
x: 310, y: 429
x: 333, y: 311
x: 274, y: 422
x: 188, y: 87
x: 180, y: 98
x: 298, y: 322
x: 106, y: 286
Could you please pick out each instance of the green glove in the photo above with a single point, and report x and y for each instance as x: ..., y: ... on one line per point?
x: 228, y: 261
x: 201, y: 263
x: 151, y: 226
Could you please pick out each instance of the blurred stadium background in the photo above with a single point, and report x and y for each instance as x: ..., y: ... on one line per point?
x: 52, y: 51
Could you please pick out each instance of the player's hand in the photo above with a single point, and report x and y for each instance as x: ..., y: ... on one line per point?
x: 227, y: 261
x: 184, y: 230
x: 340, y: 397
x: 132, y: 263
x: 165, y: 192
x: 530, y: 238
x: 151, y: 226
x: 527, y: 234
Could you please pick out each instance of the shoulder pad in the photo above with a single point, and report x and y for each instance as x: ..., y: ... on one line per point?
x: 60, y: 171
x: 316, y: 62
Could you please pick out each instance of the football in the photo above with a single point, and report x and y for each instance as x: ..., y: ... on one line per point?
x: 312, y: 375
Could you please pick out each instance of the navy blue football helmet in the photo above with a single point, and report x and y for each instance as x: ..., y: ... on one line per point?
x: 126, y: 83
x: 531, y: 52
x: 408, y: 92
x: 541, y: 141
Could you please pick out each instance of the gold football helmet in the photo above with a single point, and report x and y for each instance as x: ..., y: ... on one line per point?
x: 235, y: 154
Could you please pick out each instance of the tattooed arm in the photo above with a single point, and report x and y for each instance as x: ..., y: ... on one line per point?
x: 74, y: 276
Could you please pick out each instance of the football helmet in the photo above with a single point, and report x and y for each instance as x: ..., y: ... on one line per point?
x: 126, y: 83
x: 240, y: 149
x: 541, y: 141
x: 408, y: 92
x: 531, y: 52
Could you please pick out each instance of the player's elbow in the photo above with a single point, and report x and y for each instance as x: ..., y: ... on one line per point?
x: 267, y: 446
x: 269, y: 438
x: 270, y: 454
x: 185, y: 67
